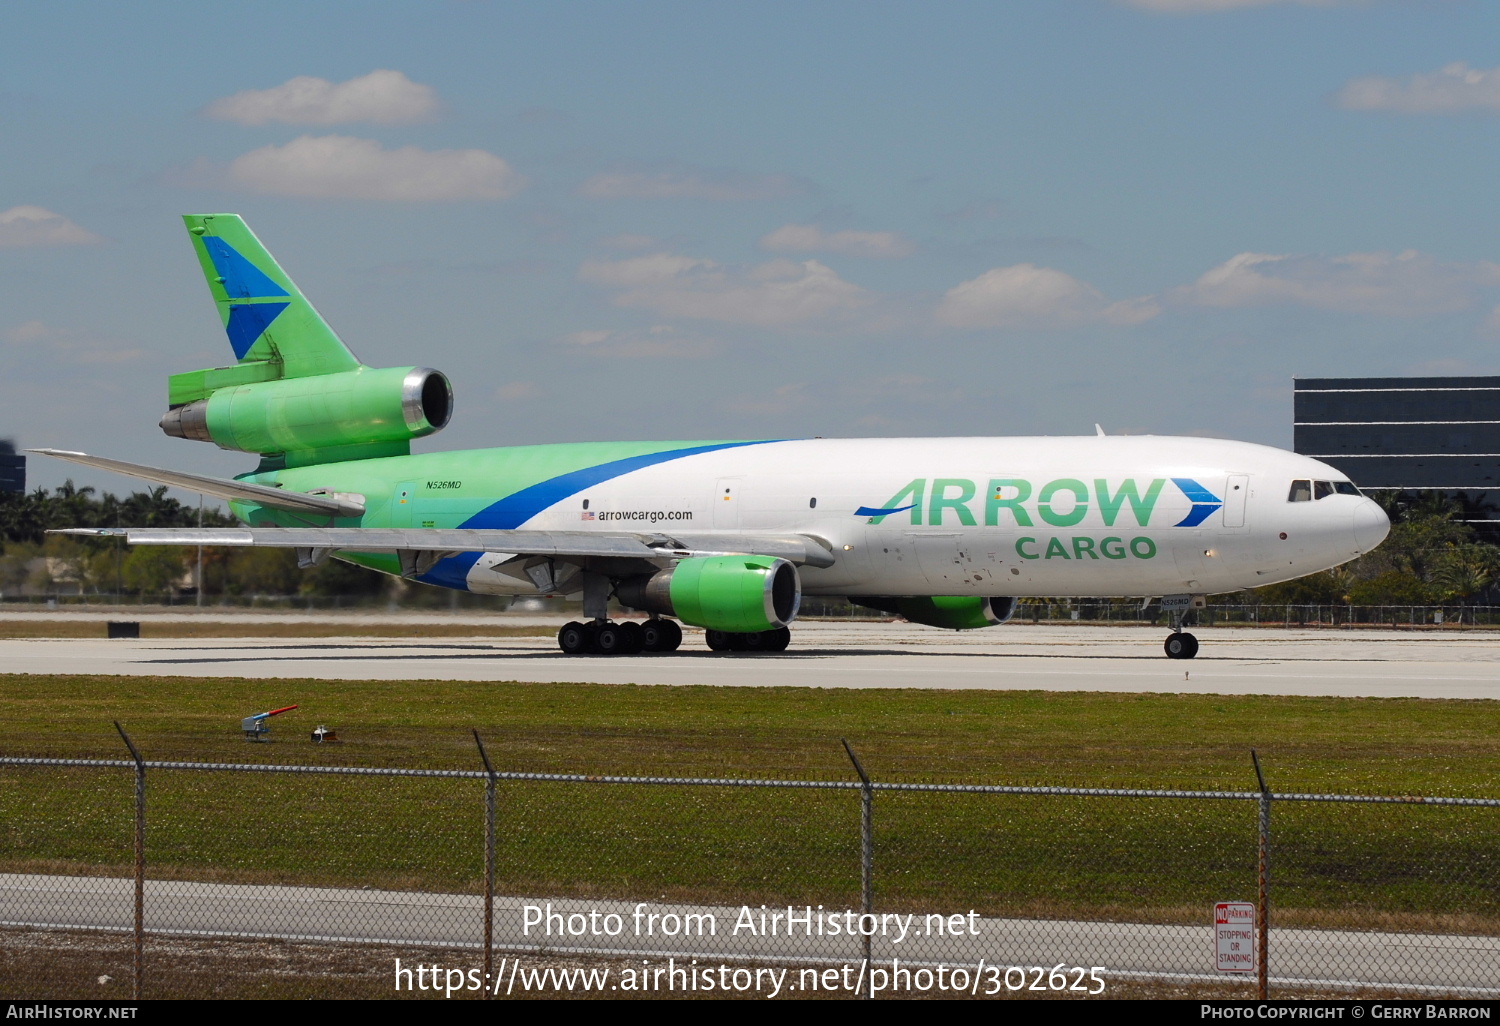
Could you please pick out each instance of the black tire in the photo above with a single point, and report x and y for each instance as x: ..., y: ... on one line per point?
x: 775, y: 640
x: 573, y: 638
x: 634, y: 637
x: 719, y: 641
x: 1180, y: 646
x: 609, y: 640
x: 660, y: 636
x: 739, y: 641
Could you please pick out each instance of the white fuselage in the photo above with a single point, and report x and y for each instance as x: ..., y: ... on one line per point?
x: 1086, y: 516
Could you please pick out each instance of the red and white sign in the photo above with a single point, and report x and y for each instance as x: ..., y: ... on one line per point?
x: 1234, y: 937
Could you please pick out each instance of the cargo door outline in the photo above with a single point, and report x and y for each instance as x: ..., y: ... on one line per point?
x: 726, y: 504
x: 1235, y: 491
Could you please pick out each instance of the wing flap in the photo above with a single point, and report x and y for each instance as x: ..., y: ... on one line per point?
x: 337, y: 505
x: 795, y: 548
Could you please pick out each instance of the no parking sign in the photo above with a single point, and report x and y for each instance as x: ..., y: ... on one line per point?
x: 1234, y: 937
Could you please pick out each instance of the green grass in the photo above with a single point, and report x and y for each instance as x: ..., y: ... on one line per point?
x: 1166, y: 860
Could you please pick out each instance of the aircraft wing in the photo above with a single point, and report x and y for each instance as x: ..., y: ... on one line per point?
x: 330, y: 505
x: 795, y: 548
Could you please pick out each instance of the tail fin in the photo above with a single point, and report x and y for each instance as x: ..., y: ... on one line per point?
x: 265, y: 315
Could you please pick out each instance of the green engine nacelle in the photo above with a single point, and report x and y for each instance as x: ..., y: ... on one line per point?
x: 951, y: 612
x: 739, y: 594
x: 379, y: 410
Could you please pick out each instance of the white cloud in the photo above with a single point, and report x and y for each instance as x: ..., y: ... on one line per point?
x: 1456, y: 87
x: 383, y: 97
x: 1408, y: 284
x: 660, y: 340
x: 810, y: 238
x: 42, y: 340
x: 709, y: 185
x: 629, y: 242
x: 343, y: 167
x: 1028, y: 296
x: 518, y: 391
x: 26, y: 226
x: 1213, y: 6
x: 776, y: 293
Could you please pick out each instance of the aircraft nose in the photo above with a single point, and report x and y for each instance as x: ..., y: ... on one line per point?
x: 1371, y: 525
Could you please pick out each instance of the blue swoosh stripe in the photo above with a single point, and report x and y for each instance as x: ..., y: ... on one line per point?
x: 866, y: 511
x: 1199, y: 513
x: 517, y: 508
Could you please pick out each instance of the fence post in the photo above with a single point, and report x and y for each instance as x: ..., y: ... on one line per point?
x: 489, y: 866
x: 138, y: 967
x: 866, y: 858
x: 1263, y: 897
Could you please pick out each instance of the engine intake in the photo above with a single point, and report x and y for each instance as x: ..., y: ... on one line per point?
x: 740, y: 594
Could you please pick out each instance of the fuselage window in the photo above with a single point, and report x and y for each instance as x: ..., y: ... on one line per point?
x: 1301, y: 492
x: 812, y: 503
x: 1322, y: 489
x: 1345, y: 488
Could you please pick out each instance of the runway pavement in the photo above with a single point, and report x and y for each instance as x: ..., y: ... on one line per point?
x: 1459, y: 964
x: 1056, y: 657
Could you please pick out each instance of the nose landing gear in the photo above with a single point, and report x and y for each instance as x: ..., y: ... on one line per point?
x: 1180, y: 644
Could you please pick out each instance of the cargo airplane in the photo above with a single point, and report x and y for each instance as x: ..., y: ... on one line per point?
x: 722, y: 535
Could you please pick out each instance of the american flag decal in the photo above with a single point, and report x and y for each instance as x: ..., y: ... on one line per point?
x: 586, y: 515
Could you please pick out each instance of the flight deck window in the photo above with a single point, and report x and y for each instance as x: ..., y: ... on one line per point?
x: 1345, y: 488
x: 1301, y: 492
x: 1322, y: 489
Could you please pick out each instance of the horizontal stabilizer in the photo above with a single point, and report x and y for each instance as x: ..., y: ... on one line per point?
x: 793, y: 548
x: 221, y: 488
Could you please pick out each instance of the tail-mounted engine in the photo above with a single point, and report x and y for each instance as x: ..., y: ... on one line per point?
x: 346, y: 415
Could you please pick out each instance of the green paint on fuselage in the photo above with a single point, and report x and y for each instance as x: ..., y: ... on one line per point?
x: 445, y: 489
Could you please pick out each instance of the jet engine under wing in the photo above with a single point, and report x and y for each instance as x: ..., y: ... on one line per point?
x: 336, y: 505
x: 795, y: 548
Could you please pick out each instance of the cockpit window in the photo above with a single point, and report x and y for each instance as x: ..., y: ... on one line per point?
x: 1345, y: 488
x: 1301, y: 492
x: 1322, y: 489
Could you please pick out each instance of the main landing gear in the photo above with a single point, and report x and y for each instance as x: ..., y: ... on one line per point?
x: 775, y: 640
x: 604, y: 637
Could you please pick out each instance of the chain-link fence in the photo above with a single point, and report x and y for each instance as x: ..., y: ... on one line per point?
x: 130, y: 877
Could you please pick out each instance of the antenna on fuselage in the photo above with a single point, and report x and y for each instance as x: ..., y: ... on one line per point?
x: 1098, y: 431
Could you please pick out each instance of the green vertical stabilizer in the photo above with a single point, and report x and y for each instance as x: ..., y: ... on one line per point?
x: 265, y: 315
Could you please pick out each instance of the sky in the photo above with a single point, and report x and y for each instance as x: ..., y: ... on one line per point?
x: 685, y: 220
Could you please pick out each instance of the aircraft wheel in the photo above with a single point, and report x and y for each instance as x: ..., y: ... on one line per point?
x: 1181, y: 646
x: 573, y: 638
x: 775, y: 640
x: 661, y: 635
x: 633, y: 637
x: 610, y: 640
x: 719, y: 641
